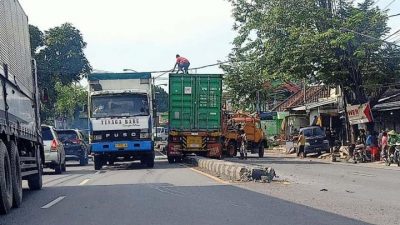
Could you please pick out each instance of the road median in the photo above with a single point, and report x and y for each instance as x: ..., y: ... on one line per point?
x: 233, y: 171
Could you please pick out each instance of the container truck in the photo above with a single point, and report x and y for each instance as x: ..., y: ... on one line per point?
x: 21, y: 148
x: 195, y: 112
x: 121, y: 118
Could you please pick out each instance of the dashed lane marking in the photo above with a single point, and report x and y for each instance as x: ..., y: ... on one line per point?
x: 84, y: 182
x: 55, y: 201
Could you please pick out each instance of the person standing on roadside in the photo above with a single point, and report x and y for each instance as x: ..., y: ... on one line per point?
x: 384, y: 145
x: 301, y: 143
x: 182, y: 63
x: 242, y: 144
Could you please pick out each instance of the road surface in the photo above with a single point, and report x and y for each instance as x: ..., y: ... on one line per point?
x: 168, y: 194
x: 366, y: 192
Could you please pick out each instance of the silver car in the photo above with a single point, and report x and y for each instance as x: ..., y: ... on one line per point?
x: 54, y: 153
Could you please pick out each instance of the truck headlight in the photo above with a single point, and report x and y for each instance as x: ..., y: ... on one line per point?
x: 97, y: 137
x: 144, y: 135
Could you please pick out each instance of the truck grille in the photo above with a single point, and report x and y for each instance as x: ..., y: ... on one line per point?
x: 117, y: 135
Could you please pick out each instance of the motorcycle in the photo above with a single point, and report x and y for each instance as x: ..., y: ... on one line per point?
x: 361, y: 154
x: 393, y: 155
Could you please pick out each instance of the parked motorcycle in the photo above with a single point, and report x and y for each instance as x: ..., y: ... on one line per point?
x: 361, y: 154
x: 393, y: 155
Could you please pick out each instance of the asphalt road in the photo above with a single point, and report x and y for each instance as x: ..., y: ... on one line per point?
x: 366, y: 192
x: 129, y: 194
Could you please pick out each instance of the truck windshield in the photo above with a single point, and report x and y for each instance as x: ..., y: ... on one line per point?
x: 120, y: 105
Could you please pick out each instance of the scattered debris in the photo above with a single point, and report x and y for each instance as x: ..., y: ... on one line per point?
x: 324, y: 189
x: 349, y: 191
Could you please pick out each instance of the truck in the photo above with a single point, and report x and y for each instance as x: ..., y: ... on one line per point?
x: 251, y: 126
x: 195, y: 116
x: 121, y: 118
x: 21, y: 148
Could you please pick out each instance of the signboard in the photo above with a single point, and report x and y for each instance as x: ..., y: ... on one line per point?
x: 359, y: 114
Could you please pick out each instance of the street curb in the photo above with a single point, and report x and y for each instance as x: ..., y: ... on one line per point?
x: 233, y: 171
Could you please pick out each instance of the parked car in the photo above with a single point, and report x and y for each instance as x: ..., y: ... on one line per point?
x: 316, y: 141
x: 75, y: 146
x: 54, y: 153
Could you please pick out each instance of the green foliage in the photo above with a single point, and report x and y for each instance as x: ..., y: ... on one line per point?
x: 315, y: 40
x: 69, y: 98
x: 161, y: 99
x: 60, y: 59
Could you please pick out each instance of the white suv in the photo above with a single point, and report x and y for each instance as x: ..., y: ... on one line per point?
x: 54, y: 153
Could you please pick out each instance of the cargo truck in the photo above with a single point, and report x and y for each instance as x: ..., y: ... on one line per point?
x: 21, y: 148
x: 121, y: 118
x: 195, y: 113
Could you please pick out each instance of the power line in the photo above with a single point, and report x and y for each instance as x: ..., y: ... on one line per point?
x: 368, y: 36
x: 398, y: 14
x: 392, y: 34
x: 389, y: 4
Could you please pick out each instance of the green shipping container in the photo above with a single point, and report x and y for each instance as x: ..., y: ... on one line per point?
x: 195, y: 102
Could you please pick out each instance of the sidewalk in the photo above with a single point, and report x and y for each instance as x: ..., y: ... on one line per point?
x: 313, y: 158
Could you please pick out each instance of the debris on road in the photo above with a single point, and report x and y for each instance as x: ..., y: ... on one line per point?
x: 324, y: 189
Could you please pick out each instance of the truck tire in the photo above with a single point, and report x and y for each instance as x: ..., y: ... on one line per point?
x: 261, y: 150
x: 83, y: 161
x: 171, y: 159
x: 98, y: 162
x: 35, y: 181
x: 150, y: 160
x: 16, y: 174
x: 232, y: 151
x: 150, y: 163
x: 6, y: 190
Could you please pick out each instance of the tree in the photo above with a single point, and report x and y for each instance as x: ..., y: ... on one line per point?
x: 60, y: 58
x: 37, y: 38
x: 161, y: 99
x: 322, y: 41
x: 69, y: 98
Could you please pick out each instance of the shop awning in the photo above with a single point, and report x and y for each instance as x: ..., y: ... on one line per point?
x: 316, y: 104
x: 387, y: 106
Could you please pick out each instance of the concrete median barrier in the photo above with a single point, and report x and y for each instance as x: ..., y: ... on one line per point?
x: 233, y: 171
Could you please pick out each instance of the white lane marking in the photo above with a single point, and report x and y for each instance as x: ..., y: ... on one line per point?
x: 98, y: 172
x: 363, y: 174
x: 55, y: 201
x: 84, y: 182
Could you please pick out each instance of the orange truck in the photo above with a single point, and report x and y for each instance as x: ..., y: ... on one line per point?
x: 251, y: 126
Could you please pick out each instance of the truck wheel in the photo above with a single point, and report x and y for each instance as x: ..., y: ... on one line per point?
x: 16, y: 175
x: 261, y: 150
x: 6, y: 189
x: 35, y: 181
x: 98, y: 162
x: 232, y: 150
x: 171, y: 159
x: 150, y: 163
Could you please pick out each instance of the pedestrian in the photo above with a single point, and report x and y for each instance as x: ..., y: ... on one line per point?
x: 182, y: 63
x: 242, y: 144
x: 384, y: 145
x: 301, y: 142
x: 362, y: 137
x: 380, y: 138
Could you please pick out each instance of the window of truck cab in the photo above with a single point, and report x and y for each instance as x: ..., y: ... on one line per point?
x: 119, y: 105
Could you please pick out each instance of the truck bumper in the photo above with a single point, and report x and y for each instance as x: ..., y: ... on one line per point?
x: 122, y: 146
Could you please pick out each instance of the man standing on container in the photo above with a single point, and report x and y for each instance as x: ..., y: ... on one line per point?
x: 182, y: 63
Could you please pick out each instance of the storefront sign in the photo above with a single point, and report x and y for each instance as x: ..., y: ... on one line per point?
x: 359, y: 114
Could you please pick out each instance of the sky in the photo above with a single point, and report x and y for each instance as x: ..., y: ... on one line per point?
x: 142, y: 35
x: 146, y: 35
